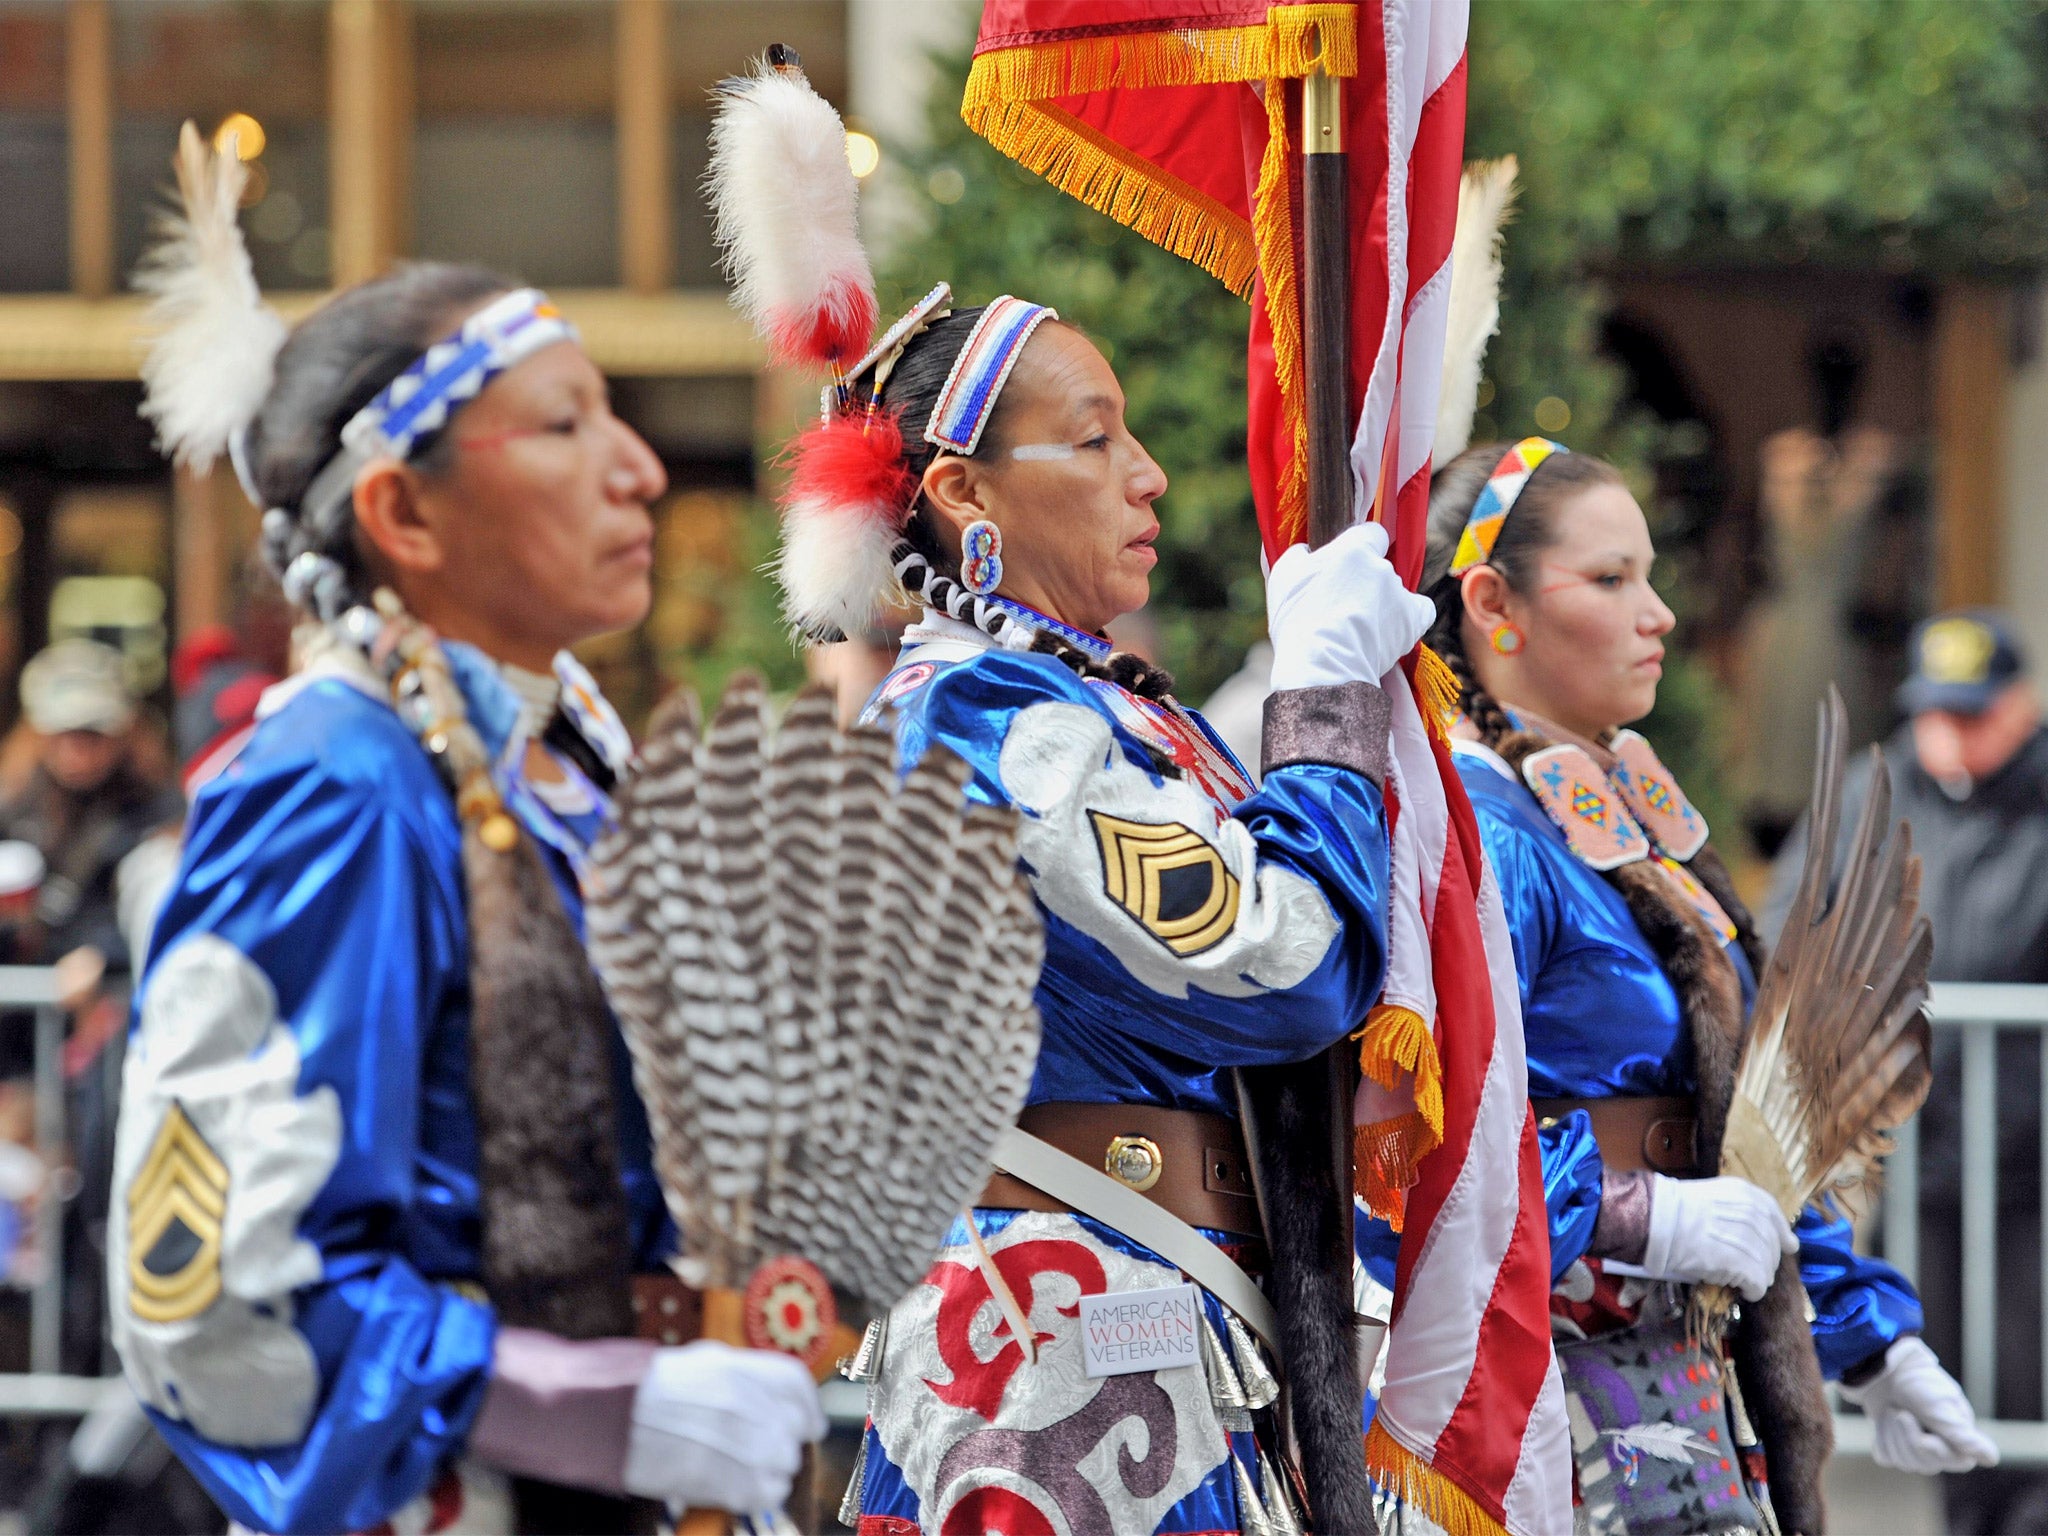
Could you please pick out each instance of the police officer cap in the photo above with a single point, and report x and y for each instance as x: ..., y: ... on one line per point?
x: 1961, y: 662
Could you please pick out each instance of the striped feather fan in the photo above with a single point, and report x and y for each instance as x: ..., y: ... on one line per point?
x: 826, y: 982
x: 1837, y: 1054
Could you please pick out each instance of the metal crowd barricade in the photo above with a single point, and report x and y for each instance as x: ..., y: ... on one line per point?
x: 44, y: 1391
x: 1978, y: 1012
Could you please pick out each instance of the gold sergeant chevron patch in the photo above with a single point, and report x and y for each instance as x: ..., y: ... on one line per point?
x: 1170, y: 878
x: 175, y: 1209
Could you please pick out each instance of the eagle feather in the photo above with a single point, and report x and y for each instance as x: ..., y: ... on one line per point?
x: 1838, y: 1050
x: 825, y: 970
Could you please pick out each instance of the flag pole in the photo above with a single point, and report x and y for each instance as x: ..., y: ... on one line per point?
x: 1325, y: 305
x: 1313, y: 1099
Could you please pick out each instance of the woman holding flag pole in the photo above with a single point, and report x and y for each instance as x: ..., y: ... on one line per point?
x: 1183, y: 120
x: 978, y: 458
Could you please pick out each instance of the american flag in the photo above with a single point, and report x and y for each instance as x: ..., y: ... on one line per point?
x: 1175, y: 117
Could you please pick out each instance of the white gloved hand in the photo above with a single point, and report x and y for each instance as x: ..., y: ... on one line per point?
x: 721, y: 1428
x: 1339, y: 614
x: 1724, y: 1231
x: 1920, y: 1420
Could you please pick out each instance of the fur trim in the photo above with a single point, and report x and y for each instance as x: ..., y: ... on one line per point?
x: 556, y: 1253
x: 1486, y: 198
x: 1787, y: 1401
x: 215, y: 345
x: 785, y: 213
x: 1298, y: 1124
x: 849, y: 496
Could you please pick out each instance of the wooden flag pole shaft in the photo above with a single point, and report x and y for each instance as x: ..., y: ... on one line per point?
x: 1325, y: 305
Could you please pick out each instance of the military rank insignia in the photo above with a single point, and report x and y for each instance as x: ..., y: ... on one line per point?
x: 1585, y: 807
x: 1170, y: 878
x: 176, y: 1205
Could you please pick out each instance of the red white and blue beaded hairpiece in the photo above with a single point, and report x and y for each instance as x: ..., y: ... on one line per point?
x: 981, y: 370
x: 455, y: 369
x: 1497, y: 500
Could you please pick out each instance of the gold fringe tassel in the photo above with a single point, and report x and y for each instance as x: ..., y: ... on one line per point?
x: 1384, y: 1157
x: 1008, y: 101
x: 1295, y: 40
x: 1093, y: 168
x: 1386, y: 1154
x: 1273, y: 234
x: 1398, y: 1471
x: 1437, y: 688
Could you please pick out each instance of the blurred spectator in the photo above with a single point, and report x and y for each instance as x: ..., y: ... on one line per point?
x: 1844, y: 514
x: 84, y: 807
x: 1969, y: 770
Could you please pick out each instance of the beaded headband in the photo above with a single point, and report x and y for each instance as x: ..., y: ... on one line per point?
x: 981, y: 370
x: 505, y: 332
x: 1497, y: 500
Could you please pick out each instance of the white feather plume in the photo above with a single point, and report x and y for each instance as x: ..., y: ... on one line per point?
x: 785, y: 213
x: 214, y: 343
x: 1486, y: 196
x: 834, y: 566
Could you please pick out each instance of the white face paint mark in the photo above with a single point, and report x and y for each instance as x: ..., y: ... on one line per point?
x: 1029, y: 451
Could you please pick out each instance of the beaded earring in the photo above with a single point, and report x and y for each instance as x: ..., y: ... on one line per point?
x: 981, y: 557
x: 1506, y: 639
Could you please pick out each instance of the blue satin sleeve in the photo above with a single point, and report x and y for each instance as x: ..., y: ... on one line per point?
x: 328, y: 867
x: 1572, y: 1183
x: 1860, y: 1304
x: 1129, y: 1015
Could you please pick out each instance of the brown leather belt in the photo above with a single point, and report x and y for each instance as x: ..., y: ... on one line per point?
x: 1190, y: 1163
x: 666, y: 1310
x: 1660, y: 1135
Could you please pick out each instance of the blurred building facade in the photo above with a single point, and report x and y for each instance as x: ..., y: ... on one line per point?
x: 561, y: 141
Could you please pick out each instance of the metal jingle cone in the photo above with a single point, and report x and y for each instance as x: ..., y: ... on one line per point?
x: 1261, y: 1390
x: 1252, y: 1519
x: 1280, y: 1511
x: 1225, y: 1390
x: 856, y: 1485
x: 865, y: 1363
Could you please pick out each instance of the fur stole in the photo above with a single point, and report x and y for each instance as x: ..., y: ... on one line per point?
x: 1297, y: 1123
x: 1773, y: 1343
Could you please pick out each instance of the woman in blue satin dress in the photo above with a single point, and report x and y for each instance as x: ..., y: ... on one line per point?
x: 383, y: 1198
x: 1194, y: 923
x: 1637, y: 962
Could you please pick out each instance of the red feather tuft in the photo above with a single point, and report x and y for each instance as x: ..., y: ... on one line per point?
x: 836, y: 331
x: 853, y: 464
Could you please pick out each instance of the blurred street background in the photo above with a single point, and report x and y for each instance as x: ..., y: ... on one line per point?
x: 1780, y: 259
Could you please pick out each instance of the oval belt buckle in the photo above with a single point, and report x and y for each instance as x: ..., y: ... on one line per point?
x: 1134, y: 1160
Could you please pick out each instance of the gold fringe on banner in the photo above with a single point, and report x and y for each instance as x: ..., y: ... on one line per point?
x: 1273, y: 233
x: 1094, y: 169
x: 1398, y: 1471
x: 1294, y: 40
x: 1436, y: 689
x: 1009, y: 101
x: 1386, y: 1153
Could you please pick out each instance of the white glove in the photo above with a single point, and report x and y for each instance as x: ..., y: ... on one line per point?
x: 721, y: 1428
x: 1724, y: 1231
x: 1919, y: 1416
x: 1339, y: 614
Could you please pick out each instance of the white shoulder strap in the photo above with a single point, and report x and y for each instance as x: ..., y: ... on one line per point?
x: 1094, y: 1193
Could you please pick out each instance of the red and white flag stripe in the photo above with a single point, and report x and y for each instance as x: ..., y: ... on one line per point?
x: 1472, y: 1388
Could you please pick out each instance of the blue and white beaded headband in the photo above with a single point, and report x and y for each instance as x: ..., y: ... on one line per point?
x: 981, y: 370
x: 455, y: 369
